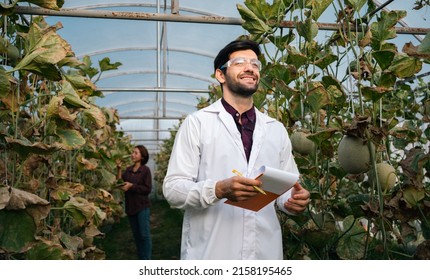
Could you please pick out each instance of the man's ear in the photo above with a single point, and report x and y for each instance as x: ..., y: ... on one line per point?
x: 220, y: 76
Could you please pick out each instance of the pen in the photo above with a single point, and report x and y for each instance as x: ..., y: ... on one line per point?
x: 255, y: 187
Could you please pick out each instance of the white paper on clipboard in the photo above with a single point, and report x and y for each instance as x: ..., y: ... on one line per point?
x: 275, y: 180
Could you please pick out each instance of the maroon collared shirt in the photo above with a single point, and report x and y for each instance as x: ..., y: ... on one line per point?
x: 137, y: 197
x: 246, y: 129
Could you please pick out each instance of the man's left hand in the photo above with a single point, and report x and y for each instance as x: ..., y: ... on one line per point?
x: 300, y: 198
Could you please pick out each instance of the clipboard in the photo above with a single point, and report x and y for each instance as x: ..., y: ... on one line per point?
x: 275, y: 183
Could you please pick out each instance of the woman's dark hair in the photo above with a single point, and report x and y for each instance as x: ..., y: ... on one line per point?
x: 144, y: 153
x: 237, y: 45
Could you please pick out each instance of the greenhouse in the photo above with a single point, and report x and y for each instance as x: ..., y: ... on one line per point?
x: 84, y: 82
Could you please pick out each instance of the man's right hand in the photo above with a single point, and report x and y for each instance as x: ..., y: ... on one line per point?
x: 236, y: 188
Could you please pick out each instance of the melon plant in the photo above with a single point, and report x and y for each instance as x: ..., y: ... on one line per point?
x: 301, y: 144
x: 353, y: 154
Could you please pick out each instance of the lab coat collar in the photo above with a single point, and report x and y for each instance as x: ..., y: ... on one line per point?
x: 217, y: 107
x: 262, y: 120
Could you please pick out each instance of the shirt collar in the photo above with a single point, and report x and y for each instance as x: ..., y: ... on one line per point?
x: 250, y: 114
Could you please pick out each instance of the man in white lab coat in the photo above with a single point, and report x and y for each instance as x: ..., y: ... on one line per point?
x: 230, y: 134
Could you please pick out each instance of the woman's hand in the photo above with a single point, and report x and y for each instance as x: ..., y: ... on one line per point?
x: 126, y: 186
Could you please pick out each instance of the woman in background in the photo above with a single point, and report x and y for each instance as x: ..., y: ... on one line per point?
x: 137, y: 187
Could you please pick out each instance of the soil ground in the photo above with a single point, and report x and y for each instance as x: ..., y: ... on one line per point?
x: 166, y: 226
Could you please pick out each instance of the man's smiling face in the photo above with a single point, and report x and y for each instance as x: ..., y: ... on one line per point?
x: 243, y: 79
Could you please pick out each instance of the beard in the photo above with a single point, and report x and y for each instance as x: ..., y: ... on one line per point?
x: 240, y: 89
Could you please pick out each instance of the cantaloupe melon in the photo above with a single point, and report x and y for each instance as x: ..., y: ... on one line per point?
x: 386, y: 175
x: 301, y: 144
x: 353, y: 155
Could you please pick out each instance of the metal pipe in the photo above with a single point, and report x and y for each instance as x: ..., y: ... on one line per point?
x: 380, y: 7
x: 174, y: 6
x: 186, y: 18
x: 127, y: 15
x: 340, y: 26
x: 157, y: 94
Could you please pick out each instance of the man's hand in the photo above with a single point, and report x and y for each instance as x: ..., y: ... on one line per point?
x: 300, y: 198
x: 236, y: 188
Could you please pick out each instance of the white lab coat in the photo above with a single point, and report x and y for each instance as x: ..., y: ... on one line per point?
x: 207, y: 148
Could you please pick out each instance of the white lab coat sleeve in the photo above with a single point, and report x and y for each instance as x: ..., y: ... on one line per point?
x: 180, y: 187
x: 289, y: 165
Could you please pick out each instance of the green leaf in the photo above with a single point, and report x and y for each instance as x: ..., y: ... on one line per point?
x: 4, y: 84
x: 295, y: 57
x: 54, y: 106
x: 70, y: 61
x: 96, y: 115
x: 375, y: 93
x: 384, y: 58
x: 337, y: 96
x: 47, y: 250
x: 352, y: 244
x: 318, y: 7
x: 80, y: 209
x: 387, y: 79
x: 17, y: 199
x: 259, y: 8
x: 331, y: 81
x: 58, y: 110
x: 25, y: 147
x: 307, y: 29
x: 80, y: 82
x: 48, y: 4
x: 405, y: 66
x: 413, y: 196
x: 65, y: 190
x: 424, y: 47
x: 105, y: 64
x: 323, y: 135
x: 17, y: 229
x: 356, y: 201
x: 425, y: 226
x: 259, y: 98
x: 252, y: 23
x: 86, y: 67
x: 317, y: 97
x: 356, y: 4
x: 71, y: 97
x: 70, y: 138
x: 71, y: 242
x: 108, y: 178
x: 283, y: 89
x: 325, y: 61
x: 383, y: 29
x: 47, y: 71
x: 337, y: 171
x: 281, y: 42
x: 45, y: 50
x: 295, y: 107
x: 49, y: 49
x: 285, y: 72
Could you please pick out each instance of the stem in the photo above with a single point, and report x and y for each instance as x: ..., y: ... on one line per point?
x: 380, y: 198
x: 344, y: 233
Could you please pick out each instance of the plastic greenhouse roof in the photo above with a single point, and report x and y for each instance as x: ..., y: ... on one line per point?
x: 174, y: 57
x: 186, y: 73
